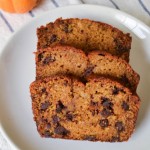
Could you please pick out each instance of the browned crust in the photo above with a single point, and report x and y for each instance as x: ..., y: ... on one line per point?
x: 62, y: 48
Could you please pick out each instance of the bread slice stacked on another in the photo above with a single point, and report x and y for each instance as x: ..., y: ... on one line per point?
x: 84, y: 88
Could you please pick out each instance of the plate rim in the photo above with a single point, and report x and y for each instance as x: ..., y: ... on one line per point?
x: 2, y: 130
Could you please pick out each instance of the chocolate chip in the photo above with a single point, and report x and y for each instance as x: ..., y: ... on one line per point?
x: 125, y: 106
x: 43, y: 120
x: 67, y: 28
x: 115, y: 90
x: 106, y: 102
x: 125, y: 80
x: 96, y: 92
x: 106, y: 112
x: 40, y: 56
x: 61, y: 130
x: 119, y: 126
x: 59, y: 107
x: 79, y: 66
x: 43, y: 90
x: 100, y: 54
x: 115, y: 139
x: 47, y: 133
x: 48, y: 60
x: 88, y: 71
x: 56, y: 119
x: 45, y: 105
x: 83, y: 80
x: 104, y: 123
x: 48, y: 126
x: 69, y: 116
x: 82, y: 31
x: 90, y: 138
x: 53, y: 38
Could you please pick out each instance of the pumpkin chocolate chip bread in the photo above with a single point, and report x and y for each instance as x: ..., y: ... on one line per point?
x: 85, y: 34
x: 66, y: 108
x: 69, y: 60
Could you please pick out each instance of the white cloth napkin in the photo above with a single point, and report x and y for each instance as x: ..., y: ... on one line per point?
x: 9, y: 23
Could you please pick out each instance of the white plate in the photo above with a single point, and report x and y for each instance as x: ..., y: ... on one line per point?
x: 17, y: 71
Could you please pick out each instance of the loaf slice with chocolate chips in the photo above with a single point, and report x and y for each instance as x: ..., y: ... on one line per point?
x: 85, y: 34
x: 100, y: 110
x: 60, y: 60
x: 103, y: 63
x: 69, y: 60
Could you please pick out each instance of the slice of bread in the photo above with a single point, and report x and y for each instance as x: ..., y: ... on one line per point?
x: 60, y: 60
x: 105, y: 64
x: 85, y: 34
x: 66, y: 108
x: 69, y: 60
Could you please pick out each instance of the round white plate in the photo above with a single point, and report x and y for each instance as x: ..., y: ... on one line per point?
x: 17, y: 71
